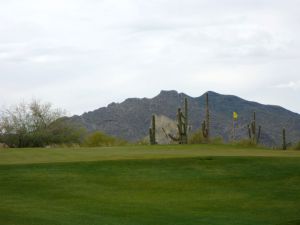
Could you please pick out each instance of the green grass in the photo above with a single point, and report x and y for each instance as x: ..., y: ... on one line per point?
x: 170, y: 185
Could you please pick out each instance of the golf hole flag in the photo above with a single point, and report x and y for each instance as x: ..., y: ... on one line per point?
x: 235, y: 115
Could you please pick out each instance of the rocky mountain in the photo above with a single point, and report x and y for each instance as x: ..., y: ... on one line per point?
x: 131, y: 119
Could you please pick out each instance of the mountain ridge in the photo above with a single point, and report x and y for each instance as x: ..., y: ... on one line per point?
x: 130, y: 119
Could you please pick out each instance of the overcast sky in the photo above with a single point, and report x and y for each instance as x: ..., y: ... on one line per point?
x: 83, y: 54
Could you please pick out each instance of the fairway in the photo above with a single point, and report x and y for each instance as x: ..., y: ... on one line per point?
x: 143, y: 185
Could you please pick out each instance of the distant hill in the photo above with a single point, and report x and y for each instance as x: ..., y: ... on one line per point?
x: 131, y: 119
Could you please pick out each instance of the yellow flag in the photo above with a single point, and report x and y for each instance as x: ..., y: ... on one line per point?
x: 235, y: 115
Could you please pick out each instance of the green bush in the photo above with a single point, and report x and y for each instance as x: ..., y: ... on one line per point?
x: 197, y: 138
x: 62, y: 132
x: 99, y: 139
x: 36, y: 124
x: 296, y: 146
x: 216, y: 140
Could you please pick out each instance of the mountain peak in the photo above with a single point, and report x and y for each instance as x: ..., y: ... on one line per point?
x: 168, y: 93
x: 212, y: 93
x: 174, y: 93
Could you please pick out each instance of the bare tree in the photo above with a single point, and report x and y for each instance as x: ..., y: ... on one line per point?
x: 26, y: 124
x: 43, y: 114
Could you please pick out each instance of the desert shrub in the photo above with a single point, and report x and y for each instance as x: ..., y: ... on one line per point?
x: 63, y: 132
x: 99, y: 139
x: 197, y: 138
x: 36, y: 124
x: 216, y: 140
x: 296, y: 146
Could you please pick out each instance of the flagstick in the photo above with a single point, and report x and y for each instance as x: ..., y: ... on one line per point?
x: 233, y: 129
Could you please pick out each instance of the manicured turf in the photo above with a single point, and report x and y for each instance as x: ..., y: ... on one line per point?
x: 150, y: 185
x: 29, y: 156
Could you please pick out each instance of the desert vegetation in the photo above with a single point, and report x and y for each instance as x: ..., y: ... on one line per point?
x: 202, y: 135
x: 99, y: 139
x: 37, y: 124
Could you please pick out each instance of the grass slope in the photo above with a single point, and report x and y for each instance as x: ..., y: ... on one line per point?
x: 161, y: 185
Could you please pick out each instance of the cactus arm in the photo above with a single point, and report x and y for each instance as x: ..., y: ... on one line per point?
x: 173, y: 138
x: 258, y: 135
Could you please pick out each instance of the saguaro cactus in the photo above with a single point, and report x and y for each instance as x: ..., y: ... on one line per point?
x: 152, y: 133
x: 185, y: 123
x: 182, y: 125
x: 283, y: 140
x: 206, y: 122
x: 254, y: 135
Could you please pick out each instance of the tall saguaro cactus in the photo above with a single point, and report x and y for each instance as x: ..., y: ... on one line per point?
x: 185, y: 123
x: 284, y: 147
x: 182, y: 125
x: 254, y: 135
x: 152, y: 133
x: 206, y: 122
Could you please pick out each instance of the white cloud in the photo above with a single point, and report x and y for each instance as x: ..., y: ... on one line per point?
x: 295, y: 85
x: 85, y: 54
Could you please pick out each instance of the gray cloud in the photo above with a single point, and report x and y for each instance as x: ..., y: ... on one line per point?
x: 81, y: 55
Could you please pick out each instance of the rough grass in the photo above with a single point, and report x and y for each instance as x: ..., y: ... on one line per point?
x: 150, y: 185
